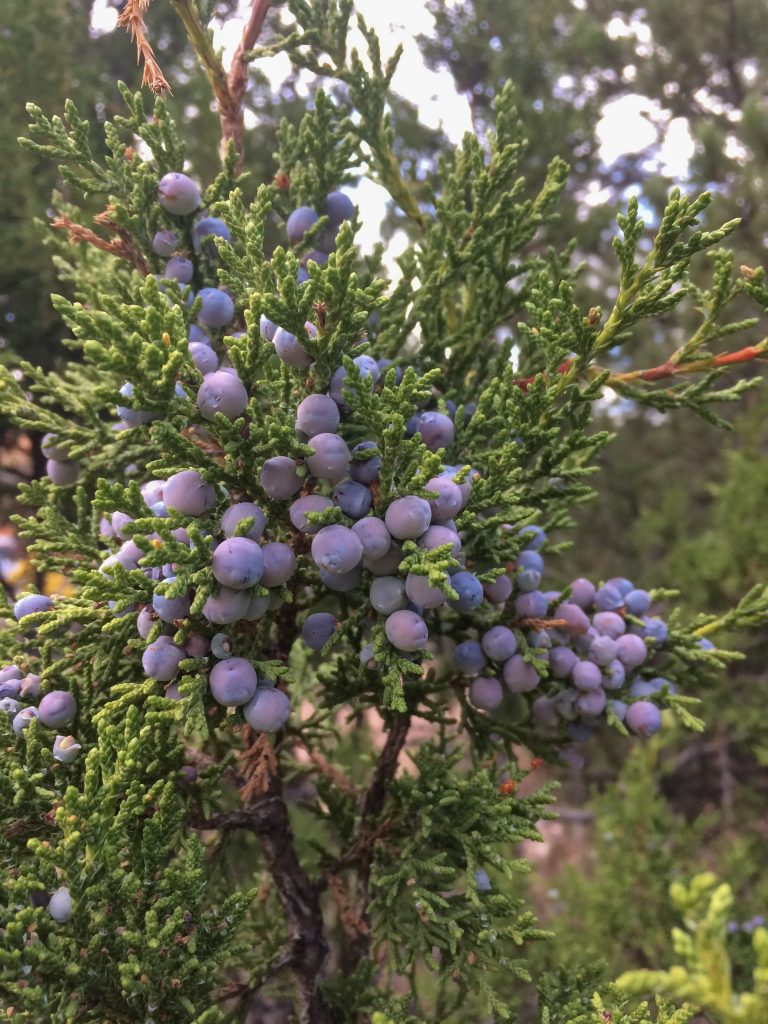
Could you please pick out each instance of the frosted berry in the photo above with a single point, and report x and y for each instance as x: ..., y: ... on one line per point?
x: 318, y: 629
x: 486, y: 693
x: 330, y: 457
x: 317, y: 414
x: 279, y: 564
x: 188, y: 493
x: 297, y: 513
x: 222, y: 392
x: 268, y: 710
x: 238, y: 563
x: 336, y: 549
x: 178, y: 194
x: 235, y: 515
x: 233, y: 682
x: 408, y: 517
x: 279, y: 477
x: 217, y: 309
x: 30, y: 604
x: 406, y: 631
x: 161, y: 659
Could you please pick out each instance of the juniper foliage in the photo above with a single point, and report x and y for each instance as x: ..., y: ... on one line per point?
x: 210, y: 867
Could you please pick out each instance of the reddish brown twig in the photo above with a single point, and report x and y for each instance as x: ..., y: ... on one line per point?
x: 232, y: 119
x: 671, y: 369
x: 663, y: 370
x: 132, y: 19
x: 122, y: 246
x: 228, y: 88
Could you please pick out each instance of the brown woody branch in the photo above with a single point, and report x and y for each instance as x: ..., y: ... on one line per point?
x: 264, y: 813
x: 228, y: 88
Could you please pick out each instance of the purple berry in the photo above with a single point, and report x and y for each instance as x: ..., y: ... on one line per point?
x: 364, y: 471
x: 609, y: 624
x: 436, y: 429
x: 534, y: 537
x: 562, y: 661
x: 603, y: 650
x: 469, y: 590
x: 279, y: 564
x: 486, y: 693
x: 387, y: 594
x: 206, y: 226
x: 614, y: 676
x: 161, y: 659
x: 178, y: 194
x: 592, y: 703
x: 531, y: 606
x: 63, y: 474
x: 169, y: 609
x: 407, y: 518
x: 204, y: 358
x: 336, y: 549
x: 339, y: 207
x: 374, y: 536
x: 279, y: 477
x: 530, y: 560
x: 217, y: 309
x: 608, y: 598
x: 575, y: 618
x: 586, y: 675
x: 519, y: 676
x: 421, y: 593
x: 438, y: 536
x: 406, y: 631
x: 268, y: 710
x: 222, y: 392
x: 299, y: 223
x: 638, y: 602
x: 30, y: 604
x: 297, y: 513
x: 499, y: 643
x: 236, y: 513
x: 643, y: 718
x: 238, y: 563
x: 226, y: 606
x: 233, y: 682
x: 498, y: 591
x: 188, y: 493
x: 582, y: 593
x: 317, y: 414
x: 330, y: 457
x: 448, y: 502
x: 290, y: 350
x: 318, y: 629
x: 145, y: 620
x: 469, y: 658
x: 180, y: 269
x: 57, y: 708
x: 527, y: 580
x: 631, y: 650
x: 353, y: 499
x: 165, y: 243
x: 52, y: 450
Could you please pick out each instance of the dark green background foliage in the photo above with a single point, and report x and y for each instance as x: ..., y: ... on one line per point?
x: 679, y: 504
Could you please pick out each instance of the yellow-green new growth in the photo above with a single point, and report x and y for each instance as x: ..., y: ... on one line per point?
x: 705, y: 977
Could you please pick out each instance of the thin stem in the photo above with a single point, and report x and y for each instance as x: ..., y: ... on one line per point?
x: 229, y: 89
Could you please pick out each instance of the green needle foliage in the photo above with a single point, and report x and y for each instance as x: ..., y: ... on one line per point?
x: 185, y: 864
